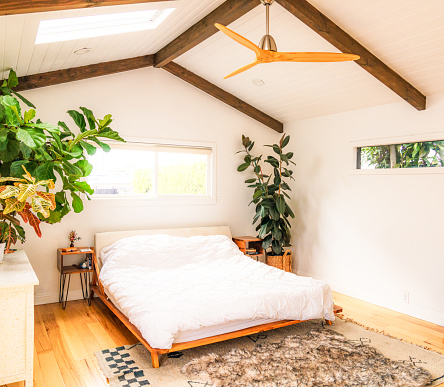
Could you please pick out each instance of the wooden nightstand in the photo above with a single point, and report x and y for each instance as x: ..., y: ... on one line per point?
x: 67, y: 270
x: 248, y: 242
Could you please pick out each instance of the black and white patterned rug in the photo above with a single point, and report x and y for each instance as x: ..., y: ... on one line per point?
x: 130, y: 365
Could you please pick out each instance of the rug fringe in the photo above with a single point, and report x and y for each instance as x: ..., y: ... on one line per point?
x: 348, y: 319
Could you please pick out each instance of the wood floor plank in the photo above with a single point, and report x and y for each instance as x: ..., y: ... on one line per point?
x: 63, y: 355
x: 102, y: 336
x: 38, y: 375
x: 69, y: 332
x: 50, y: 369
x: 41, y: 339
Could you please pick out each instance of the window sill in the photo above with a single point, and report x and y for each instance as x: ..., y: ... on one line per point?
x: 146, y: 202
x: 399, y: 171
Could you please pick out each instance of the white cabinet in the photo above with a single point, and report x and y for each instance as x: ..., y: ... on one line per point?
x: 17, y: 281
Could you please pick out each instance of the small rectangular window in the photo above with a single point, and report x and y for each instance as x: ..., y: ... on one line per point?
x: 136, y: 170
x: 407, y: 155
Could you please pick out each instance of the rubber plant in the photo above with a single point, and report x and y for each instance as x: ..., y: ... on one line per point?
x: 270, y: 194
x: 47, y: 154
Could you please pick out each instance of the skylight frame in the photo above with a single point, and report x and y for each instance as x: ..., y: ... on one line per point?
x: 85, y: 27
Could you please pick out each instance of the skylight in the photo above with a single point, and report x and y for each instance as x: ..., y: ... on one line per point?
x: 58, y: 30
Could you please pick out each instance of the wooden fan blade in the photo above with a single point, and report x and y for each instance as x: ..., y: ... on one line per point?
x: 238, y: 38
x: 312, y: 57
x: 242, y: 69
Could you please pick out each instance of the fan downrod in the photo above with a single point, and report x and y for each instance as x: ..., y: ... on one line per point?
x: 267, y: 42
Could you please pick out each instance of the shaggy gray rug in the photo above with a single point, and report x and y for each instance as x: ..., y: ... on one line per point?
x: 302, y: 355
x: 318, y: 358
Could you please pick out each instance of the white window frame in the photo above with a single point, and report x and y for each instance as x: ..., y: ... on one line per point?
x: 433, y: 136
x: 210, y: 198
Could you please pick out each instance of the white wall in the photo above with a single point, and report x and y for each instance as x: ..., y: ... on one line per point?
x: 370, y: 236
x: 154, y: 104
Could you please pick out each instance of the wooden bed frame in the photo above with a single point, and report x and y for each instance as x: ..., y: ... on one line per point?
x: 97, y: 288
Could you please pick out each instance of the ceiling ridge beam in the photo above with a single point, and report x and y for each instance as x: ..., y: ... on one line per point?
x: 223, y: 96
x: 225, y: 14
x: 331, y: 32
x: 83, y: 72
x: 16, y: 7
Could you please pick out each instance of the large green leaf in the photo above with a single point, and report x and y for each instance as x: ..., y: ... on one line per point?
x: 48, y: 127
x: 83, y: 186
x: 90, y: 149
x: 243, y: 167
x: 105, y: 121
x: 266, y: 243
x: 274, y: 213
x: 17, y: 167
x: 109, y: 133
x: 29, y: 115
x: 280, y: 204
x: 77, y: 203
x: 32, y: 137
x: 12, y: 79
x: 277, y: 234
x: 27, y: 102
x: 46, y: 171
x: 257, y: 194
x: 11, y: 152
x: 285, y: 141
x: 3, y: 144
x: 12, y: 110
x: 89, y: 116
x: 105, y: 147
x: 262, y: 231
x: 3, y: 134
x: 85, y: 167
x: 78, y: 119
x: 277, y: 247
x: 71, y: 169
x: 64, y: 126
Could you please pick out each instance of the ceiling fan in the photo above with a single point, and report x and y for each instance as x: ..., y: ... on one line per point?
x: 267, y: 52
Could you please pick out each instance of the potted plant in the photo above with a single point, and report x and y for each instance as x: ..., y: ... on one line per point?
x: 47, y: 153
x: 269, y: 196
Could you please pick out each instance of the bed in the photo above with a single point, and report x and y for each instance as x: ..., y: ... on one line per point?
x: 181, y: 288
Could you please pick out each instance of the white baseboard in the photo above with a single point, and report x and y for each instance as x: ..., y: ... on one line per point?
x: 49, y: 298
x: 387, y: 302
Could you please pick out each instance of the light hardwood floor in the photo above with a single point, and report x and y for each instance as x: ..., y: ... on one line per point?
x: 65, y: 340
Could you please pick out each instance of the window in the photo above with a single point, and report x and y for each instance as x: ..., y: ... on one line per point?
x: 73, y: 28
x: 404, y: 155
x: 153, y: 171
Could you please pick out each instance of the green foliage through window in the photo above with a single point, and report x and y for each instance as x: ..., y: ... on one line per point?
x: 407, y: 155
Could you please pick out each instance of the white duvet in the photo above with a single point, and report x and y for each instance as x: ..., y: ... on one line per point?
x: 167, y: 284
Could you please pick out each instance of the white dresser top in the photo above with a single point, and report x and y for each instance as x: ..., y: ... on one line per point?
x: 16, y: 270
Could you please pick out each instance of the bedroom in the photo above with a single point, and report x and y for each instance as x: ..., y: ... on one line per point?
x: 371, y: 235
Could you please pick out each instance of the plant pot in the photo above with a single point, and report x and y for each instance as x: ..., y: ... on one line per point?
x: 2, y: 251
x: 282, y: 262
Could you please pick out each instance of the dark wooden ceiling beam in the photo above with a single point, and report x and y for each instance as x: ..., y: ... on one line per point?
x: 318, y: 22
x: 15, y: 7
x: 224, y: 96
x: 225, y: 14
x: 83, y: 72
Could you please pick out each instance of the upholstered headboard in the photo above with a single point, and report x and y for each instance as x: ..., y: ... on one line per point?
x: 104, y: 239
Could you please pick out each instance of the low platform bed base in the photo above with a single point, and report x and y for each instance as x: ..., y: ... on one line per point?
x: 97, y: 288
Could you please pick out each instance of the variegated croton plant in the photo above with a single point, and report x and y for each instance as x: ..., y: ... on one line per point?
x: 21, y: 198
x: 35, y: 155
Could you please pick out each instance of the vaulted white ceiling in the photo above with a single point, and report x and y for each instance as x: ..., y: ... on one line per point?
x: 408, y: 35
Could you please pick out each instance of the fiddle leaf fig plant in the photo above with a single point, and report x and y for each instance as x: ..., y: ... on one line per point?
x: 48, y: 154
x: 270, y: 193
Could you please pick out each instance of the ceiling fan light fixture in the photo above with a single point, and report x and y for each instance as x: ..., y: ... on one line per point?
x: 268, y: 43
